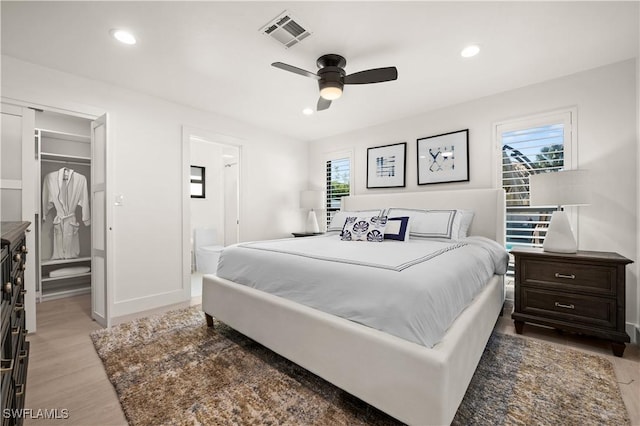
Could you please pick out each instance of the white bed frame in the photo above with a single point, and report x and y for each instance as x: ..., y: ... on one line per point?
x: 415, y: 384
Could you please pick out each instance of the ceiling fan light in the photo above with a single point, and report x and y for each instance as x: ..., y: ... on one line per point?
x: 331, y: 93
x: 123, y: 36
x: 470, y: 51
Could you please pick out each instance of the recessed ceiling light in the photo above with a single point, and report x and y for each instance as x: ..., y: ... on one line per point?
x: 123, y: 36
x: 307, y: 111
x: 469, y: 51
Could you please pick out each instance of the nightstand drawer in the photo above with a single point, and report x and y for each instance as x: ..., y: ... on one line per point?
x: 597, y: 279
x: 575, y: 308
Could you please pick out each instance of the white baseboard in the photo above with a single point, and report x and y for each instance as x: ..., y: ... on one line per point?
x: 134, y: 307
x: 633, y: 330
x: 161, y: 310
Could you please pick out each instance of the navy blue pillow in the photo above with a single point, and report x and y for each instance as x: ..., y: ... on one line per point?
x: 397, y: 228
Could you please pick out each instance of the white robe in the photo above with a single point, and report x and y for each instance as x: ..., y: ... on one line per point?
x: 65, y: 195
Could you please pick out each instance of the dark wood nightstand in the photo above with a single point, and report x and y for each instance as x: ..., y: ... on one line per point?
x: 306, y: 234
x: 582, y: 293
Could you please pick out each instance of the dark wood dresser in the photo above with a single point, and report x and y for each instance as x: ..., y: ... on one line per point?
x: 15, y: 347
x: 582, y: 293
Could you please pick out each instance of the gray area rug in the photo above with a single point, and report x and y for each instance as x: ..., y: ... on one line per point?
x: 174, y: 370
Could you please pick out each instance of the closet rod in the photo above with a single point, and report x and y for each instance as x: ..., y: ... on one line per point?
x: 66, y: 162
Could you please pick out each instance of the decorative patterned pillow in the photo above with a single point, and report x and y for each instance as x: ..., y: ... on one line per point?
x: 397, y: 229
x: 371, y: 228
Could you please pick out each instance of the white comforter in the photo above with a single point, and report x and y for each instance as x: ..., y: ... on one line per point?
x: 413, y: 290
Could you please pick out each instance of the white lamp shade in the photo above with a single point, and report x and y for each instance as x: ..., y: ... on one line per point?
x: 564, y: 188
x: 311, y: 199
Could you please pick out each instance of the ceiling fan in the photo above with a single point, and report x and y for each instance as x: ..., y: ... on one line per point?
x: 332, y: 77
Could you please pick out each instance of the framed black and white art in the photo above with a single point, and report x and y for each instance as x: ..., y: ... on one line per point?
x: 386, y: 166
x: 444, y: 158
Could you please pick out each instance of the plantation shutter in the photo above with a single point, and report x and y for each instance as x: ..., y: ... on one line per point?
x: 338, y: 175
x: 531, y: 147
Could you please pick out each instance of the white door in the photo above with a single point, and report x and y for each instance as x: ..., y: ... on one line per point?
x: 18, y: 189
x: 99, y: 240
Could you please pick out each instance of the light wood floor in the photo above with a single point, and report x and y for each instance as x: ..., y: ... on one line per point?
x: 66, y: 373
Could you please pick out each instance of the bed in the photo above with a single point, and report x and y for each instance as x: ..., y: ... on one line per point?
x: 408, y: 380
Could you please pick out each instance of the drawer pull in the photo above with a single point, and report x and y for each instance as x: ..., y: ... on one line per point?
x: 569, y: 277
x: 19, y: 390
x: 23, y: 354
x: 7, y: 365
x: 18, y: 307
x: 15, y: 330
x: 560, y: 305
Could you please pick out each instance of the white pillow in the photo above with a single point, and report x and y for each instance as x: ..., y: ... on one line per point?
x: 338, y: 219
x: 462, y: 223
x: 442, y: 224
x: 370, y: 228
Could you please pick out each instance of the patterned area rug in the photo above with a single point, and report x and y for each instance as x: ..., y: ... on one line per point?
x: 174, y: 370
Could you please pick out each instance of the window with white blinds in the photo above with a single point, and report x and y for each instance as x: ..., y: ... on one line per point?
x: 532, y: 146
x: 338, y: 175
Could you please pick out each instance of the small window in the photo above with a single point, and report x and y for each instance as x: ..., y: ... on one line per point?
x: 197, y: 182
x: 338, y: 179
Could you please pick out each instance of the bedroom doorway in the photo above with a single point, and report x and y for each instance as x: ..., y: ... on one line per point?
x: 212, y: 207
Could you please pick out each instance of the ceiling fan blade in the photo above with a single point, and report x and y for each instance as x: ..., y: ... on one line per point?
x: 376, y: 75
x: 323, y: 104
x: 295, y: 70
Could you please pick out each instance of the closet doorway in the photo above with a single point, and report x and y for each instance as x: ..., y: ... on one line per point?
x: 70, y: 215
x: 213, y: 201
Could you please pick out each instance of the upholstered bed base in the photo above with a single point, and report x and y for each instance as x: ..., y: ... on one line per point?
x: 412, y: 383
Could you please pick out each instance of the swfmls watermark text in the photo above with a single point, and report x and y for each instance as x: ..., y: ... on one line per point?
x: 36, y: 413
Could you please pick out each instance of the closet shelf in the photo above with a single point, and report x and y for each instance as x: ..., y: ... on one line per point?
x: 55, y: 134
x: 61, y: 157
x: 63, y: 261
x: 84, y: 274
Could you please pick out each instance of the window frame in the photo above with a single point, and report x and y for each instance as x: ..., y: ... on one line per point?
x: 198, y: 181
x: 334, y: 156
x: 566, y: 116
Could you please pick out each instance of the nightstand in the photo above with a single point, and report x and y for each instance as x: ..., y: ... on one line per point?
x: 581, y: 293
x: 306, y: 234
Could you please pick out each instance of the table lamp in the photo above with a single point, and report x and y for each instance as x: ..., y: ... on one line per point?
x: 312, y: 200
x: 563, y: 188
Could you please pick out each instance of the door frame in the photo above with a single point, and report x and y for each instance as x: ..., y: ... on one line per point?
x: 28, y: 151
x: 187, y: 133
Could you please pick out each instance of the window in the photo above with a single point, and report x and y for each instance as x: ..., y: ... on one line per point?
x: 338, y: 175
x: 197, y: 182
x: 536, y: 145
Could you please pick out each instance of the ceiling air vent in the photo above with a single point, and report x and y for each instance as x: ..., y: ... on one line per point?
x: 285, y: 30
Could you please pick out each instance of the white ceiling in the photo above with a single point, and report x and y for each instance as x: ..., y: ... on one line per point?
x: 210, y: 55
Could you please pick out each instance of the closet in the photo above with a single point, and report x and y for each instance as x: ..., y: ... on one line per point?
x: 63, y: 212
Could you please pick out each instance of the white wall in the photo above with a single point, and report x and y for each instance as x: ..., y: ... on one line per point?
x: 607, y: 145
x: 145, y: 144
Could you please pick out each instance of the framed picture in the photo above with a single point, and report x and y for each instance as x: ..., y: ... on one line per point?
x: 386, y: 166
x: 444, y: 158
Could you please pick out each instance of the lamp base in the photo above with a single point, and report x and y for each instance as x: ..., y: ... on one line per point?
x: 560, y: 238
x: 312, y: 223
